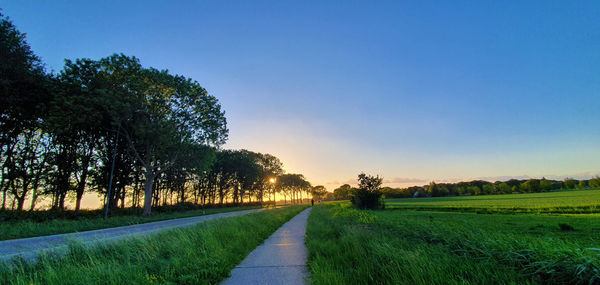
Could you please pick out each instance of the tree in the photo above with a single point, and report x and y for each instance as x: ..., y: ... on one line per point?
x: 270, y: 167
x: 368, y: 196
x: 595, y: 182
x: 168, y: 111
x: 569, y: 183
x: 487, y: 189
x: 473, y: 190
x: 318, y: 192
x: 437, y: 190
x: 503, y: 188
x: 545, y: 184
x: 342, y: 192
x: 30, y: 166
x: 369, y: 183
x: 247, y: 173
x: 292, y: 184
x: 531, y: 186
x: 79, y: 118
x: 24, y: 92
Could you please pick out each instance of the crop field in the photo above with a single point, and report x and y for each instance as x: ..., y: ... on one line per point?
x: 571, y: 201
x: 429, y: 241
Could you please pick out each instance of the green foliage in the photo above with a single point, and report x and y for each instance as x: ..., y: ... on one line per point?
x: 478, y: 187
x: 368, y: 194
x: 24, y: 93
x: 595, y: 182
x: 342, y: 192
x: 202, y: 254
x: 436, y: 190
x: 23, y: 83
x: 292, y: 184
x: 531, y: 186
x: 318, y: 192
x: 545, y: 184
x: 60, y: 135
x: 503, y: 188
x: 570, y: 183
x: 473, y: 190
x: 566, y: 227
x: 369, y: 183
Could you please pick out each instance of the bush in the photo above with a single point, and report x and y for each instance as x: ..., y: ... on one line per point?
x: 364, y: 199
x: 566, y: 227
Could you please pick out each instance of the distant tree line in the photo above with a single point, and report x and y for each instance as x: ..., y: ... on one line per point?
x: 151, y: 137
x: 477, y: 187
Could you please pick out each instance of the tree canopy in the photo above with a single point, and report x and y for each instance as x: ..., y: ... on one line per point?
x: 147, y: 134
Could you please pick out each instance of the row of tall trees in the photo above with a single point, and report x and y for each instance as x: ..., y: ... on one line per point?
x: 477, y: 187
x: 117, y: 128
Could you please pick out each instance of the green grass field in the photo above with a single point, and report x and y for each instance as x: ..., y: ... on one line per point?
x: 571, y: 201
x: 27, y: 228
x: 201, y: 254
x: 428, y: 241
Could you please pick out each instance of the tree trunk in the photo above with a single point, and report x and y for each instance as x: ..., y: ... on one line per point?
x: 20, y: 202
x: 4, y: 199
x: 123, y: 197
x: 235, y: 195
x: 148, y: 192
x: 82, y: 180
x: 33, y: 199
x: 36, y: 185
x: 61, y: 204
x: 78, y: 202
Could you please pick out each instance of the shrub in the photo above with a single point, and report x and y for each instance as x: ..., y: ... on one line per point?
x: 368, y: 195
x: 566, y: 227
x: 364, y: 199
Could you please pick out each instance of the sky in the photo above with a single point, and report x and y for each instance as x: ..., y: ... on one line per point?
x: 413, y: 91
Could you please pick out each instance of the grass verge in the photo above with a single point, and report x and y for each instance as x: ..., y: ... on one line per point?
x: 28, y: 228
x: 347, y: 246
x: 202, y: 254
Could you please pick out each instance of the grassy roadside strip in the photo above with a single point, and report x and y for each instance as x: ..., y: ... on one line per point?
x: 347, y: 246
x: 202, y: 254
x: 26, y: 228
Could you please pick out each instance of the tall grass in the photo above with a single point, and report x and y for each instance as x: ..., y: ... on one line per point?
x: 202, y: 254
x: 347, y: 246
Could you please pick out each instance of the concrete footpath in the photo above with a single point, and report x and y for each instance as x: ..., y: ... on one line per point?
x: 281, y: 259
x: 29, y: 248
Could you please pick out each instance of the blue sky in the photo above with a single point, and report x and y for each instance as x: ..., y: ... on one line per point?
x: 411, y: 90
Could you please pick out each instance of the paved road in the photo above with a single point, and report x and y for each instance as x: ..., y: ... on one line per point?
x: 29, y: 248
x: 281, y: 259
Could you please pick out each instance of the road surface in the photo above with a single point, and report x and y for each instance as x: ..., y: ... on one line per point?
x: 281, y: 259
